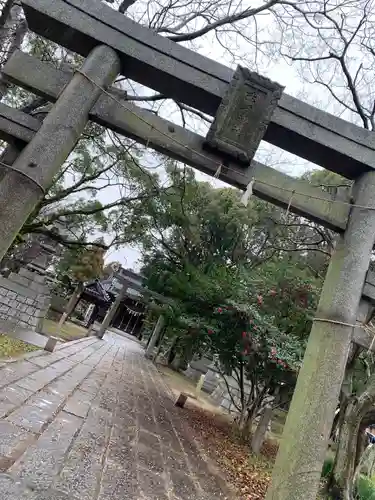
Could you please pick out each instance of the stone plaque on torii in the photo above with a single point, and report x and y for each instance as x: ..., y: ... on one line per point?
x: 114, y: 44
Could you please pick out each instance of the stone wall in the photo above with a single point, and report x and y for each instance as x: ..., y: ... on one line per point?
x: 24, y: 301
x: 223, y: 399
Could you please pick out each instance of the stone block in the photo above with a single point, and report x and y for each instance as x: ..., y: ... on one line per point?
x: 15, y: 371
x: 39, y: 379
x: 13, y: 441
x: 50, y: 494
x: 24, y: 317
x: 83, y: 466
x: 119, y: 481
x: 32, y: 276
x: 11, y: 397
x: 11, y: 489
x: 39, y: 466
x: 153, y: 486
x: 51, y: 342
x: 38, y: 412
x: 33, y: 321
x: 244, y: 114
x: 38, y: 287
x: 21, y: 280
x: 79, y: 403
x: 16, y: 289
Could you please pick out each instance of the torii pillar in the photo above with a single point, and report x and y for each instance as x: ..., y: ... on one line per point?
x: 33, y: 171
x: 297, y: 471
x: 237, y: 130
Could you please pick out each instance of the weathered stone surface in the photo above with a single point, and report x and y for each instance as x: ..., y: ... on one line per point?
x: 104, y: 454
x: 183, y: 485
x: 11, y: 397
x: 244, y: 114
x: 43, y: 461
x: 83, y: 467
x: 175, y: 461
x: 150, y: 458
x: 51, y: 494
x: 38, y: 412
x: 153, y: 486
x: 48, y: 359
x: 23, y: 300
x: 13, y: 442
x: 119, y: 482
x: 121, y: 448
x: 79, y: 403
x: 38, y: 380
x: 12, y: 489
x: 15, y: 371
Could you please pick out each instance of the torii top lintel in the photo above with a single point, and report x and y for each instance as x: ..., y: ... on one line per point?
x: 193, y: 79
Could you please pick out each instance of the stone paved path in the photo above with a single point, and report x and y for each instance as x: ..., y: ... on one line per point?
x: 95, y: 421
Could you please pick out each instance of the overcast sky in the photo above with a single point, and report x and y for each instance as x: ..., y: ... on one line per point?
x: 276, y: 69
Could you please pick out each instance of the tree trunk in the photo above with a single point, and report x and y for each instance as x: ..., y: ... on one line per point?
x: 176, y: 363
x: 260, y: 432
x: 73, y: 301
x: 367, y: 463
x: 347, y: 456
x: 242, y: 420
x: 172, y: 350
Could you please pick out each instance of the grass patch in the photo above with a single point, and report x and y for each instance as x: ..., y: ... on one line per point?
x: 365, y: 489
x: 69, y: 331
x: 327, y: 467
x: 10, y: 348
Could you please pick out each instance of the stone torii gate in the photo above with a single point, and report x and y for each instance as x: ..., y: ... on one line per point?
x: 247, y: 108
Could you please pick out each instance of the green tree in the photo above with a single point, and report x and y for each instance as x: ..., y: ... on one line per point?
x: 212, y: 254
x: 77, y: 267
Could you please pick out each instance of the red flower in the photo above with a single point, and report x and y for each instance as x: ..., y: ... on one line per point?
x: 260, y: 300
x: 244, y: 335
x: 210, y: 332
x: 219, y: 310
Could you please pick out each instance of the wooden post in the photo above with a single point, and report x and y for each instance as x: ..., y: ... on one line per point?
x: 155, y: 336
x: 298, y: 466
x: 112, y: 311
x: 23, y: 186
x: 135, y: 324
